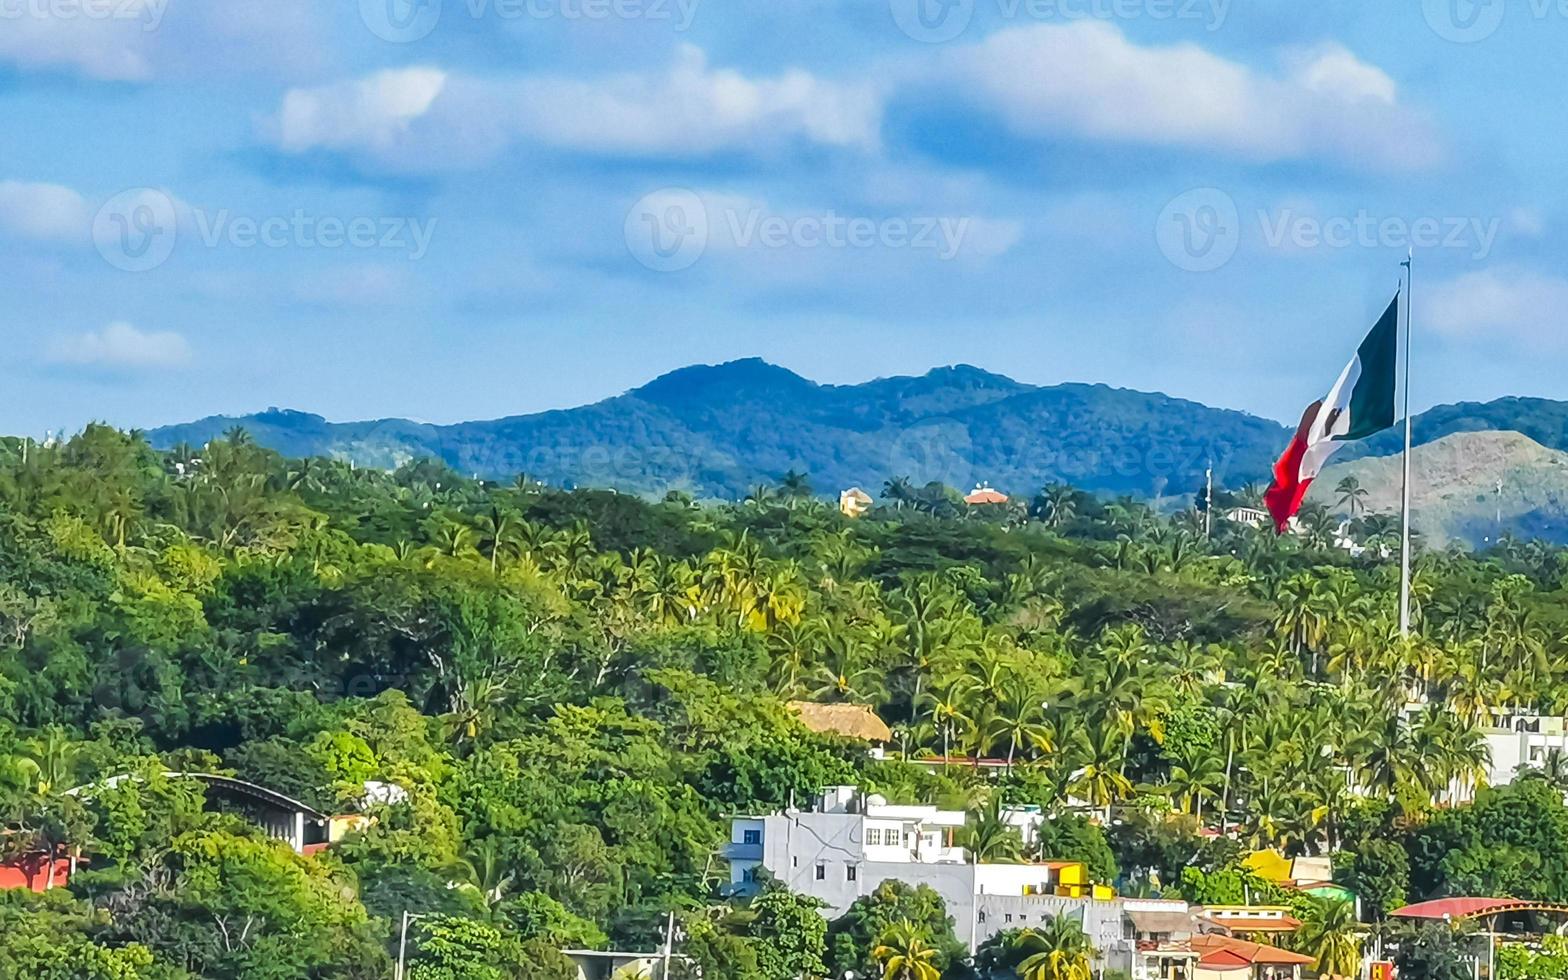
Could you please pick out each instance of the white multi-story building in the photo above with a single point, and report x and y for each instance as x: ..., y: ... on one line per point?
x: 1522, y: 740
x: 849, y: 844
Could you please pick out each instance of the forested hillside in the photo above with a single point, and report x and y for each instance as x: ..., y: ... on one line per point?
x: 571, y: 692
x: 716, y: 432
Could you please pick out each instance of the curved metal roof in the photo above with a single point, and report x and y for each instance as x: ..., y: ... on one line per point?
x: 233, y: 785
x: 1471, y: 908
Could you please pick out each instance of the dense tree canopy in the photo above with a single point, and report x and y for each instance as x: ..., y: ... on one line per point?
x: 570, y: 693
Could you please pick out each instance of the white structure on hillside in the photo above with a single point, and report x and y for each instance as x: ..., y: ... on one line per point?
x: 850, y: 844
x: 1515, y: 741
x: 1522, y: 740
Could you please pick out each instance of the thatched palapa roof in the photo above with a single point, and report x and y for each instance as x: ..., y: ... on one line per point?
x: 849, y: 720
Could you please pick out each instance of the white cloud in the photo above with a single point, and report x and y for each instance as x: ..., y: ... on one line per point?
x: 1527, y: 222
x: 106, y: 41
x: 373, y: 113
x: 43, y: 212
x: 122, y: 347
x: 1510, y: 304
x: 425, y: 118
x: 1087, y: 80
x: 138, y: 40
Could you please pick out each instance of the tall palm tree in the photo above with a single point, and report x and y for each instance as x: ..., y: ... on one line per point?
x: 1058, y: 951
x: 795, y: 485
x: 1057, y: 504
x: 1331, y: 934
x: 988, y: 836
x: 900, y: 490
x: 1018, y: 721
x: 946, y: 709
x: 1352, y: 496
x: 1100, y: 780
x: 904, y: 953
x: 1196, y: 775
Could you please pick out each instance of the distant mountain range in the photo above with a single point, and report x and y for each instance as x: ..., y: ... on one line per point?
x: 717, y: 431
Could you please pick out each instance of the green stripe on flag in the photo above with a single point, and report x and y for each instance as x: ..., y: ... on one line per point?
x: 1372, y: 400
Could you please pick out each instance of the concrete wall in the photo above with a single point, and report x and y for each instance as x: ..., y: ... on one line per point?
x: 1013, y: 879
x: 1102, y: 921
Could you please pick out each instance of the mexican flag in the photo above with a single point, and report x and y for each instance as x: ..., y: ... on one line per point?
x: 1360, y: 404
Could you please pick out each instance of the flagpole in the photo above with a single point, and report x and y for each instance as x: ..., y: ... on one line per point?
x: 1404, y: 534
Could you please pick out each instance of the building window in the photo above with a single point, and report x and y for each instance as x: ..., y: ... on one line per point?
x: 851, y: 872
x: 873, y: 837
x: 980, y: 917
x: 751, y: 837
x: 822, y: 871
x: 1009, y: 917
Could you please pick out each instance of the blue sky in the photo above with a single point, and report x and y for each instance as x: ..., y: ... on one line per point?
x: 457, y: 209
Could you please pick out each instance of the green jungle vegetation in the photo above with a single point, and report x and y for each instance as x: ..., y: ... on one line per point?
x: 575, y: 690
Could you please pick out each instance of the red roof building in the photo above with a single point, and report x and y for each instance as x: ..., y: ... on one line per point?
x: 1227, y: 958
x: 984, y: 495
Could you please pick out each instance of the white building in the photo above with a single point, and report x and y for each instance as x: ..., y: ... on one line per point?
x: 1522, y: 740
x: 849, y: 844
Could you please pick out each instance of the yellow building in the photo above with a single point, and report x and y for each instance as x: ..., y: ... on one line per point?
x: 854, y: 502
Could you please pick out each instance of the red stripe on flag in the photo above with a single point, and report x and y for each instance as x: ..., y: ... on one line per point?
x: 1284, y: 498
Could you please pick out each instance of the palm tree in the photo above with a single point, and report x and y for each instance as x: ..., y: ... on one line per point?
x: 1057, y: 504
x: 1100, y: 780
x: 988, y: 836
x: 1352, y: 496
x: 795, y: 485
x: 946, y: 710
x: 1331, y: 934
x: 1059, y: 951
x: 900, y: 490
x: 1018, y: 721
x: 1196, y: 775
x: 904, y: 954
x: 496, y: 536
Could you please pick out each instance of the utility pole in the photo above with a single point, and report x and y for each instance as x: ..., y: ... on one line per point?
x: 402, y: 942
x: 669, y: 947
x: 1208, y: 501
